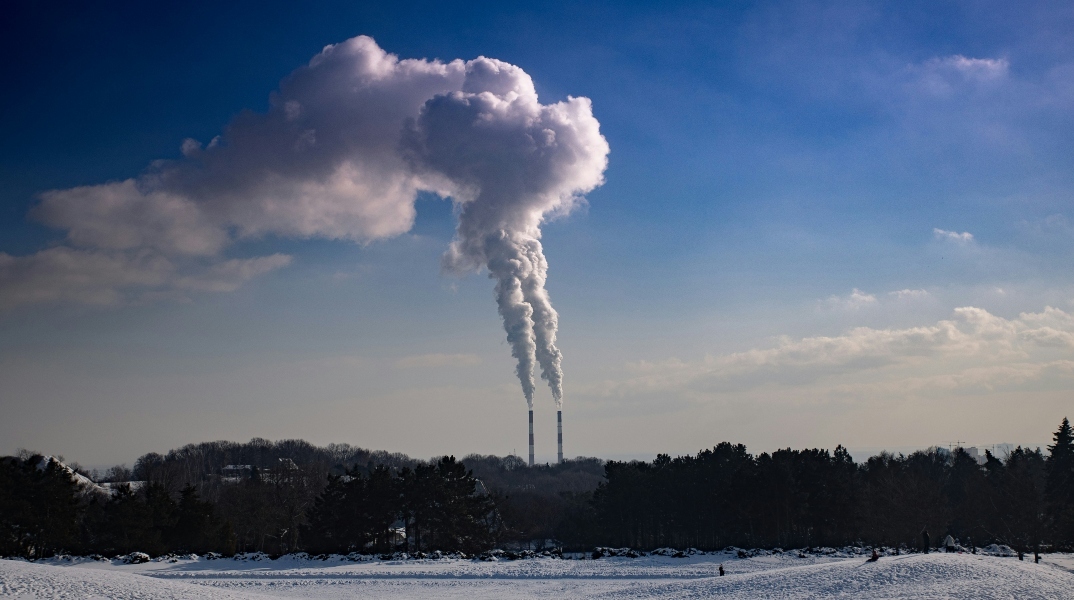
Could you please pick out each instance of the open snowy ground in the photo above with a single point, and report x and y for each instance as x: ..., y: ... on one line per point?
x: 776, y: 576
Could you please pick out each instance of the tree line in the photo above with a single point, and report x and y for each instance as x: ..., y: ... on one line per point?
x: 280, y: 497
x: 807, y: 498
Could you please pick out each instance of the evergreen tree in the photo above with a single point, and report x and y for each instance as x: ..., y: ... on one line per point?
x: 196, y: 529
x: 443, y: 510
x: 1059, y: 491
x: 966, y: 492
x: 251, y: 509
x: 1022, y: 516
x: 355, y: 512
x: 331, y: 526
x: 463, y: 517
x: 419, y: 488
x: 38, y: 508
x: 383, y: 494
x: 125, y: 525
x: 719, y: 497
x: 162, y: 509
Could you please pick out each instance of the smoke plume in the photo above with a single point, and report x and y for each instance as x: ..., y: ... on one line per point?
x: 348, y: 142
x: 514, y: 162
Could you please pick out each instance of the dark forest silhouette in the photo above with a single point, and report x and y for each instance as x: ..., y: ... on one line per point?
x: 289, y: 496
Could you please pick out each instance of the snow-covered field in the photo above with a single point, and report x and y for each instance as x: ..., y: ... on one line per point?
x: 786, y: 575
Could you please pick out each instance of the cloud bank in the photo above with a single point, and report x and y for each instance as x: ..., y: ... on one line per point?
x: 973, y: 350
x: 348, y: 143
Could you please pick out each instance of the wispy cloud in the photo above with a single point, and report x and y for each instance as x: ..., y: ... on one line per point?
x: 909, y: 294
x: 112, y: 277
x: 948, y: 76
x: 857, y: 299
x: 427, y: 361
x: 973, y: 348
x: 962, y: 238
x: 981, y: 69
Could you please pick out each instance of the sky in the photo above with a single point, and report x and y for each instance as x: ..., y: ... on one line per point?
x: 813, y: 223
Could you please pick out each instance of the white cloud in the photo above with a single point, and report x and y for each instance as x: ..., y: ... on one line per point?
x: 973, y: 349
x: 981, y: 69
x: 348, y: 142
x: 856, y: 300
x: 962, y: 238
x: 326, y: 160
x: 948, y: 75
x: 120, y: 216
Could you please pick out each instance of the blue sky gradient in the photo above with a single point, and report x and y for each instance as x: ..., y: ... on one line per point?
x: 776, y: 169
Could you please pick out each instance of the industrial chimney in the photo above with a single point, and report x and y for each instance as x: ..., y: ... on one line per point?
x: 531, y: 437
x: 559, y: 426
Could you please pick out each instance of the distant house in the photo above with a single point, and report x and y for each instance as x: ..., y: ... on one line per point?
x: 236, y: 473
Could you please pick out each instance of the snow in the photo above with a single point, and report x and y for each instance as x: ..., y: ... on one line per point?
x: 111, y: 487
x: 32, y: 581
x: 769, y: 575
x: 84, y: 483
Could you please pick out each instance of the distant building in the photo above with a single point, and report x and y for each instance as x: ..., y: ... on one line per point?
x: 976, y: 456
x: 285, y: 467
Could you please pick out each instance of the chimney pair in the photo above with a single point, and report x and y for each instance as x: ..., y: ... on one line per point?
x: 559, y: 427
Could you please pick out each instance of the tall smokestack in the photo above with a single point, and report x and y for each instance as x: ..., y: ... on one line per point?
x: 559, y: 426
x: 531, y: 437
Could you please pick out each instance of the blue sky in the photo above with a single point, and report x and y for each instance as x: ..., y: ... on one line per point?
x: 779, y: 241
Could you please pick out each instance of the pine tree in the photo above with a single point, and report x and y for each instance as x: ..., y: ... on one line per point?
x: 38, y: 508
x: 381, y: 507
x: 1060, y: 486
x: 463, y: 515
x: 195, y: 528
x: 1022, y: 499
x: 331, y: 526
x: 161, y: 508
x: 125, y: 525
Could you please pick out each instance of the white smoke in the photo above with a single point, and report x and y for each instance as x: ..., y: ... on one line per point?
x: 348, y: 143
x: 515, y: 162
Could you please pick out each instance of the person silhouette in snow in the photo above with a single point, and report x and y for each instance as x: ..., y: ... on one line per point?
x: 925, y: 540
x: 875, y: 557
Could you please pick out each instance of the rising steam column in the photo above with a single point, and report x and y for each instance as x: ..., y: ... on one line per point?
x: 531, y: 437
x: 559, y: 426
